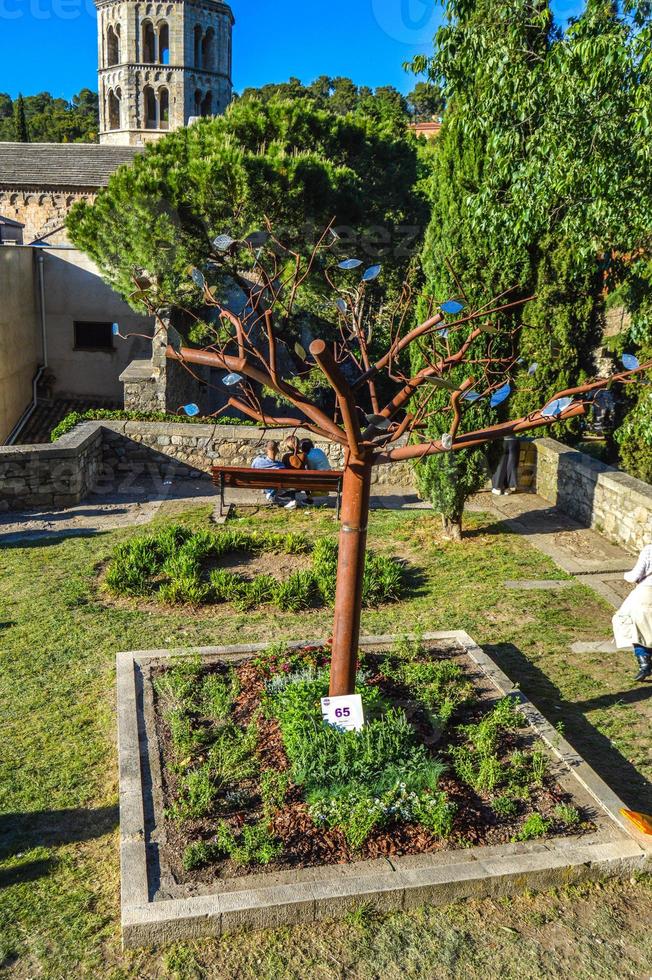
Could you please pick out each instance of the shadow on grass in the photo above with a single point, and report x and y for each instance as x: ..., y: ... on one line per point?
x: 52, y: 828
x: 597, y: 749
x: 22, y: 873
x: 46, y: 539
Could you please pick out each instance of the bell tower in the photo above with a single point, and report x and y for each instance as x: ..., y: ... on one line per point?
x: 160, y: 64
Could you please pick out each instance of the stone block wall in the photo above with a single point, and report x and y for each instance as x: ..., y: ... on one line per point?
x: 117, y: 457
x: 53, y: 476
x: 597, y: 495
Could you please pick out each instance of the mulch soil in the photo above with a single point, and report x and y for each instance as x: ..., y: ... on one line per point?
x: 306, y: 844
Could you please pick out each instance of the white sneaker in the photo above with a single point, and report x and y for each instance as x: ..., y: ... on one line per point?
x: 497, y: 493
x: 292, y: 505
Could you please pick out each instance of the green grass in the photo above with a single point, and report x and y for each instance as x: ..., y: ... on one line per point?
x: 59, y: 876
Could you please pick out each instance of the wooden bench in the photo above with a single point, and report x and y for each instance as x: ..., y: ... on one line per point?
x: 320, y: 482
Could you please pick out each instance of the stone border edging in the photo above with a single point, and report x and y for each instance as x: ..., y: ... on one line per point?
x: 330, y: 892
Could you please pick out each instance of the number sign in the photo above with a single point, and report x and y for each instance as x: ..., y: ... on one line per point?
x: 345, y: 712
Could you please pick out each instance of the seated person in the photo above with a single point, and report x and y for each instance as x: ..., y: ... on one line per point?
x: 294, y: 459
x: 268, y: 461
x: 316, y: 459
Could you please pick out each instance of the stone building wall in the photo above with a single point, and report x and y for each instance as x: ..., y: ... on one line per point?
x: 43, y: 212
x: 597, y: 495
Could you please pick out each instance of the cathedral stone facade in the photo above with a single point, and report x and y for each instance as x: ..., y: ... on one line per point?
x: 161, y: 65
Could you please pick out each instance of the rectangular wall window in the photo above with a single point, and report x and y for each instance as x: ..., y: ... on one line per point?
x: 93, y: 336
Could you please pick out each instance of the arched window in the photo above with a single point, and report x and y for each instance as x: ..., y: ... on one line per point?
x: 114, y: 109
x: 207, y: 105
x: 197, y: 46
x: 207, y: 49
x: 197, y: 111
x: 149, y: 43
x: 164, y: 44
x: 113, y: 46
x: 149, y: 100
x: 164, y: 108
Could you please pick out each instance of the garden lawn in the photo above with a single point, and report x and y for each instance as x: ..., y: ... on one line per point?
x: 59, y: 874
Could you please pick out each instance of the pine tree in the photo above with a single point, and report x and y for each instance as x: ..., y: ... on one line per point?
x: 21, y: 131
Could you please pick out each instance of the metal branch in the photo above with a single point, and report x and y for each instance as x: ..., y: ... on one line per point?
x: 345, y: 396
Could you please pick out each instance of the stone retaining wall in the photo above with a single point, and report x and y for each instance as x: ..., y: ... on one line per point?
x: 595, y: 494
x: 110, y: 457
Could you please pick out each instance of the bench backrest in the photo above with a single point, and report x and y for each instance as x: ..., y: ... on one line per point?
x: 246, y: 478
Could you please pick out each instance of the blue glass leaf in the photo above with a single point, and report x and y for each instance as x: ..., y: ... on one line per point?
x: 223, y: 243
x: 198, y: 278
x: 533, y: 368
x: 444, y: 333
x: 631, y: 363
x: 232, y: 379
x: 341, y: 305
x: 256, y: 239
x: 379, y: 422
x: 116, y: 329
x: 349, y: 264
x: 471, y: 396
x: 500, y: 396
x: 191, y: 410
x: 554, y: 408
x: 451, y: 306
x: 372, y: 273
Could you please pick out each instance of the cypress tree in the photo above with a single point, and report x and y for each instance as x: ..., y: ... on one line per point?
x: 21, y: 131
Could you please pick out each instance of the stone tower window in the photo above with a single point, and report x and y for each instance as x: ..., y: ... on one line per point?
x: 149, y: 99
x: 198, y: 46
x: 207, y: 105
x: 149, y: 43
x: 115, y: 99
x: 207, y: 49
x: 113, y: 46
x: 164, y: 108
x: 197, y: 111
x: 164, y: 44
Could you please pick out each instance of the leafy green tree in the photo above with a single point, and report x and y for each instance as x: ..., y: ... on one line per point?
x: 288, y: 162
x: 21, y: 133
x: 50, y: 120
x: 425, y: 101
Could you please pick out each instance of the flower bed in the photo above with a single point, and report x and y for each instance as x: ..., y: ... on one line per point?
x: 179, y: 566
x: 253, y: 779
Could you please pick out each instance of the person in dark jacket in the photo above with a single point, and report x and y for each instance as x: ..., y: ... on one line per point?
x: 505, y: 479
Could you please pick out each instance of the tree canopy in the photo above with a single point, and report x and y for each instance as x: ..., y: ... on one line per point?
x: 288, y: 162
x: 45, y: 119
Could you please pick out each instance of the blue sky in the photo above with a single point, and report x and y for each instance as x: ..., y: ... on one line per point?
x: 50, y: 45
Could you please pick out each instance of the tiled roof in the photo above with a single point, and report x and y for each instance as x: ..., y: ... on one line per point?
x: 61, y: 164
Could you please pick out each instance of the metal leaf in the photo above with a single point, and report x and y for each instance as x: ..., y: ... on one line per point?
x: 198, y: 278
x: 116, y: 329
x: 500, y: 396
x: 175, y: 339
x: 143, y: 282
x: 533, y: 368
x: 300, y: 351
x: 223, y: 243
x: 630, y: 362
x: 452, y: 306
x: 232, y: 379
x: 441, y: 383
x: 447, y: 441
x: 191, y: 410
x: 341, y: 305
x: 488, y: 328
x: 372, y: 273
x: 349, y: 264
x: 471, y: 396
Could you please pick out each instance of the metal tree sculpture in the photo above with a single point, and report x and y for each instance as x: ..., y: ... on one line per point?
x: 253, y: 344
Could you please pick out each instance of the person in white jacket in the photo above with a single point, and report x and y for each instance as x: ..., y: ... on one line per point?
x: 638, y: 605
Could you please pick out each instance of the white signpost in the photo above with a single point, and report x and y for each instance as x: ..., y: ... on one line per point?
x: 344, y: 712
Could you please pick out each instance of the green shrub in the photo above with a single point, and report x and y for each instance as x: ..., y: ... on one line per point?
x: 254, y: 845
x: 273, y: 790
x: 199, y: 854
x: 568, y: 815
x: 439, y: 685
x: 532, y: 827
x: 504, y: 805
x: 99, y: 414
x: 217, y: 696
